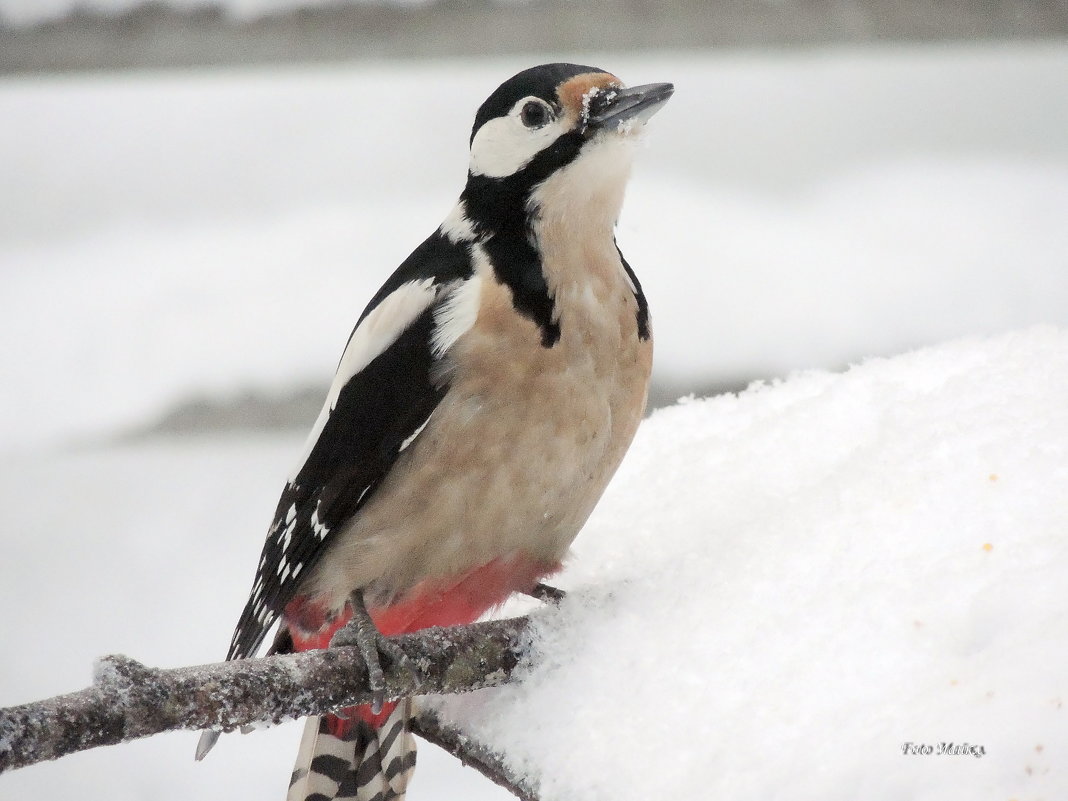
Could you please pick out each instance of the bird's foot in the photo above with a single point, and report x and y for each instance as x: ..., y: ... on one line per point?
x: 362, y: 632
x: 550, y: 595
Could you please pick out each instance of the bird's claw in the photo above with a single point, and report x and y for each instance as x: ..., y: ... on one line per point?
x: 362, y: 632
x: 547, y: 594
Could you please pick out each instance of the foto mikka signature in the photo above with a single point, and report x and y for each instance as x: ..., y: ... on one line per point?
x: 943, y: 749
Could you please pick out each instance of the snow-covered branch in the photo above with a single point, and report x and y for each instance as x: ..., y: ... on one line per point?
x: 472, y: 753
x: 128, y: 700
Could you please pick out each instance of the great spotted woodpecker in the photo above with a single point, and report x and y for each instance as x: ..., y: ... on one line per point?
x: 481, y: 405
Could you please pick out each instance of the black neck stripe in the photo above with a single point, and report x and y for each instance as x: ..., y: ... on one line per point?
x: 639, y: 296
x: 498, y: 208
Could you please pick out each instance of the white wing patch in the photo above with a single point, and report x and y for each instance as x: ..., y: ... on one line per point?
x: 381, y: 328
x: 378, y: 330
x: 455, y: 316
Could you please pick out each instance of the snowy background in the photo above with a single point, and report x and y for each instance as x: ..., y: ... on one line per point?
x: 28, y: 12
x: 819, y: 546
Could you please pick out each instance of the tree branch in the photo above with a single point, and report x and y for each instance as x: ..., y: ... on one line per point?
x: 128, y: 700
x: 471, y: 753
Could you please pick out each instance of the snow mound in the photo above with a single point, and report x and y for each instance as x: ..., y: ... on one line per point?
x: 783, y: 588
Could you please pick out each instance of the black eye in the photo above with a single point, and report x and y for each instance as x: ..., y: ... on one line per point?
x: 535, y: 114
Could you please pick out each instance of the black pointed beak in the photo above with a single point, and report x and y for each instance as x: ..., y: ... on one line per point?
x: 626, y: 107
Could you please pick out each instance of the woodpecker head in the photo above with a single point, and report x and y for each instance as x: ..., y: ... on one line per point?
x: 555, y: 139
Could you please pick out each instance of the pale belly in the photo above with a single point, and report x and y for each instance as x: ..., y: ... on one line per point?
x: 512, y: 461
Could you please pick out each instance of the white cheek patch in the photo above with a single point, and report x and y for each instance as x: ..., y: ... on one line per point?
x: 379, y: 329
x: 503, y: 146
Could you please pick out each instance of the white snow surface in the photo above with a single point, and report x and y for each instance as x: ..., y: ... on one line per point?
x: 782, y: 588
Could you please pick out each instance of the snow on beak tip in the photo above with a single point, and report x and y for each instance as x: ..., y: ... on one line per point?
x: 625, y: 108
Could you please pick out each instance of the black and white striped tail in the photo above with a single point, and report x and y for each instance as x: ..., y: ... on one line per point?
x: 365, y: 764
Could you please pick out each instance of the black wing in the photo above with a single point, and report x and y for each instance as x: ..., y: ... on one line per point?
x: 368, y: 419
